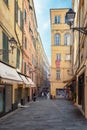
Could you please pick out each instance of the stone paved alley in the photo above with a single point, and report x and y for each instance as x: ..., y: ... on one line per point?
x: 45, y: 115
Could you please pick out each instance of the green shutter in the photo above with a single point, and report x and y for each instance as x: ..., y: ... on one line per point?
x: 21, y: 22
x: 5, y: 48
x: 18, y: 58
x: 16, y: 11
x: 24, y: 67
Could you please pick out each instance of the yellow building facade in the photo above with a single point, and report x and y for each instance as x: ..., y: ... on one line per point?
x: 60, y: 51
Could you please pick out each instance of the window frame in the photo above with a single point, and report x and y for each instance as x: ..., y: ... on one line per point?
x: 57, y: 39
x: 58, y: 56
x: 57, y: 74
x: 18, y: 58
x: 57, y: 19
x: 5, y: 46
x: 66, y: 37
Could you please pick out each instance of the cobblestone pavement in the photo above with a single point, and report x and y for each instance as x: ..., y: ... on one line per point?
x: 46, y: 115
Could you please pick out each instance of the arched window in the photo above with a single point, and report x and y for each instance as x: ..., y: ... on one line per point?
x: 67, y: 39
x: 57, y: 39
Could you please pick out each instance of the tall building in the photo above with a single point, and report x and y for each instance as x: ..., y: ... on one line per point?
x: 43, y: 67
x: 29, y: 43
x: 10, y: 56
x: 60, y: 52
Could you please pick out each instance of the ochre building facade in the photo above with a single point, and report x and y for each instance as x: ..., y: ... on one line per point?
x: 60, y: 51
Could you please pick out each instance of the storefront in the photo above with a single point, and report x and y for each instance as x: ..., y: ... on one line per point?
x: 81, y: 89
x: 32, y: 88
x: 60, y: 93
x: 2, y: 99
x: 25, y: 90
x: 9, y: 80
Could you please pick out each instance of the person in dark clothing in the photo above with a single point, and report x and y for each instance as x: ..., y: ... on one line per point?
x: 34, y: 97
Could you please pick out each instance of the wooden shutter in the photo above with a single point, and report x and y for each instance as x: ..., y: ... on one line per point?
x: 24, y: 67
x: 16, y: 10
x: 18, y: 58
x: 5, y: 48
x: 21, y: 21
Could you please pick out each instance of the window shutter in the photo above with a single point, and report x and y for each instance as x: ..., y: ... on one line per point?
x: 18, y: 58
x: 25, y: 15
x: 16, y: 11
x: 5, y: 48
x: 24, y: 67
x: 21, y: 21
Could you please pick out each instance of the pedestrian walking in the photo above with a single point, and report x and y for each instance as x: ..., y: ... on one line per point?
x: 34, y: 97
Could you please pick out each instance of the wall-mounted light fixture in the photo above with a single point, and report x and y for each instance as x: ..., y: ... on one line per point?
x: 70, y: 16
x: 13, y: 43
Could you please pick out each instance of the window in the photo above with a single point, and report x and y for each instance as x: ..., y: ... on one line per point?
x: 58, y: 56
x: 57, y: 74
x: 16, y: 11
x: 57, y: 39
x: 34, y: 42
x: 25, y: 15
x: 18, y: 59
x: 6, y: 1
x: 20, y: 18
x: 24, y: 67
x: 57, y: 19
x: 65, y: 19
x: 68, y: 57
x: 67, y: 39
x: 5, y: 48
x: 25, y: 42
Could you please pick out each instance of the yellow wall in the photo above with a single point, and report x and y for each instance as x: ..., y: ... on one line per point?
x: 9, y: 26
x: 62, y: 29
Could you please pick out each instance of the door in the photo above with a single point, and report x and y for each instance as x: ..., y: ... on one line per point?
x: 2, y: 98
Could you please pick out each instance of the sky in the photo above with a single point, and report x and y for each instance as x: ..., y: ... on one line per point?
x: 42, y: 9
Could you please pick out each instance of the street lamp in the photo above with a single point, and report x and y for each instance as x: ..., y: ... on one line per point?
x: 70, y: 16
x: 13, y: 43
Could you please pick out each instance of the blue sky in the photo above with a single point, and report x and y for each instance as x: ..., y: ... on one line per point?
x: 42, y: 9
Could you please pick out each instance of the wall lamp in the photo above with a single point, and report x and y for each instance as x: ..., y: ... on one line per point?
x: 70, y: 16
x: 13, y: 43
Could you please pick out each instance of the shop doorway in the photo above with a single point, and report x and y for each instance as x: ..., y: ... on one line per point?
x: 81, y: 91
x: 60, y: 93
x: 2, y: 99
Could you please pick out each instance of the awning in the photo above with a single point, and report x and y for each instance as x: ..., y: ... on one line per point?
x: 31, y: 82
x: 69, y: 82
x: 25, y: 80
x: 9, y: 74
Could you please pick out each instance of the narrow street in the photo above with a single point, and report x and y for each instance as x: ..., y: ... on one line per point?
x: 45, y: 115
